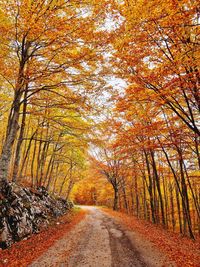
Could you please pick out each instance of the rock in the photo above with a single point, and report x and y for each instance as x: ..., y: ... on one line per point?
x: 6, y: 239
x: 24, y: 211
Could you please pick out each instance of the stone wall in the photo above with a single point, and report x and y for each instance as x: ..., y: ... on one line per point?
x: 24, y: 211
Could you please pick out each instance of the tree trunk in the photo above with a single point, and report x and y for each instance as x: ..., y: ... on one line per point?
x: 166, y: 202
x: 185, y: 199
x: 11, y: 135
x: 13, y: 120
x: 27, y: 154
x: 150, y: 189
x: 55, y: 178
x: 20, y: 139
x: 157, y: 179
x: 172, y: 207
x: 69, y: 189
x: 116, y: 198
x: 64, y: 181
x: 32, y: 162
x: 123, y: 184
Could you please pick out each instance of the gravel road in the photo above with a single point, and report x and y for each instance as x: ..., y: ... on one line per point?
x: 101, y: 241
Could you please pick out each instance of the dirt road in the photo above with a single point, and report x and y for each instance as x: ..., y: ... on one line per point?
x: 100, y: 241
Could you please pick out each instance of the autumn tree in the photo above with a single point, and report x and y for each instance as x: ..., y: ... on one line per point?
x: 44, y: 48
x: 159, y: 49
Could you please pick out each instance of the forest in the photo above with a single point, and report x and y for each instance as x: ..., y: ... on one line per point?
x: 100, y: 103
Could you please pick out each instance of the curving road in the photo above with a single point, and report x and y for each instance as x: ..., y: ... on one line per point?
x: 100, y: 241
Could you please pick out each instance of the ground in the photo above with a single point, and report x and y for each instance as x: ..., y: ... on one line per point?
x: 101, y: 241
x: 98, y: 237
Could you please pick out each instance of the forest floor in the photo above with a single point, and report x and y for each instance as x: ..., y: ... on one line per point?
x: 95, y: 237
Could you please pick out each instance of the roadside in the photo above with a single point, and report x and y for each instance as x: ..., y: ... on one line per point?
x: 26, y: 251
x: 181, y: 250
x: 100, y: 237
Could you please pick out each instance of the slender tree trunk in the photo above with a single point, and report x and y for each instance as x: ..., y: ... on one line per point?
x: 38, y: 162
x: 43, y: 159
x: 123, y: 183
x: 144, y: 200
x: 179, y: 209
x: 136, y: 196
x: 32, y: 163
x: 157, y: 179
x: 70, y: 187
x: 150, y: 189
x: 132, y: 200
x: 185, y: 199
x: 197, y: 207
x: 116, y: 198
x: 50, y: 178
x: 56, y: 178
x: 64, y: 181
x: 20, y: 139
x: 27, y: 153
x: 172, y: 208
x: 166, y: 201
